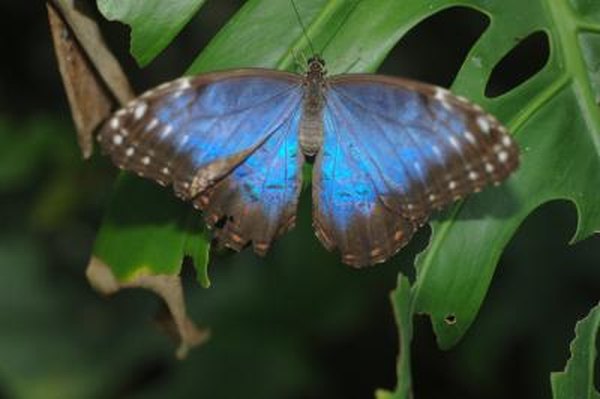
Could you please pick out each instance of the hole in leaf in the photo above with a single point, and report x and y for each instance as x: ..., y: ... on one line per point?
x: 526, y: 59
x: 450, y: 319
x: 434, y: 50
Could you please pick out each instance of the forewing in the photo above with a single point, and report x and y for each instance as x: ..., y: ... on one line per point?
x: 193, y: 131
x: 226, y: 141
x: 410, y: 148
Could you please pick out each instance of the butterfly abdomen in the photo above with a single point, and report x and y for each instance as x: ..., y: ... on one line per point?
x: 311, y: 123
x: 311, y: 126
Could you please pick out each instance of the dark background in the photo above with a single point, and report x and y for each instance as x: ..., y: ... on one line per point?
x: 296, y: 325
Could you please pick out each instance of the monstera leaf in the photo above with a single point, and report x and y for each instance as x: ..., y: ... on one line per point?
x: 577, y: 380
x: 154, y: 23
x: 554, y: 116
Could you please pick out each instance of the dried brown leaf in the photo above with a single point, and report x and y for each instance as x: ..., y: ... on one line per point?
x: 168, y: 287
x: 92, y: 77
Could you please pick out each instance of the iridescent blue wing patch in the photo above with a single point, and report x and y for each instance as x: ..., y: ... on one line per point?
x: 226, y: 141
x: 395, y: 150
x: 260, y: 196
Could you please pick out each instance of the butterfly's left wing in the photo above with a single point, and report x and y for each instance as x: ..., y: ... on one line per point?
x: 226, y: 141
x: 394, y: 150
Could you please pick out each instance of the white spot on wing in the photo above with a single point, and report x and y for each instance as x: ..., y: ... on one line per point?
x: 489, y: 167
x: 167, y: 130
x: 503, y: 156
x: 469, y: 136
x: 452, y: 185
x: 163, y: 86
x: 140, y: 110
x: 184, y: 84
x: 114, y: 123
x: 146, y: 160
x: 153, y: 123
x: 454, y: 142
x: 442, y: 96
x: 507, y: 141
x: 473, y: 175
x: 148, y: 93
x: 129, y: 152
x: 117, y: 139
x: 483, y: 123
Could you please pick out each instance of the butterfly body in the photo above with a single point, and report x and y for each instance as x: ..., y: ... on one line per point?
x: 387, y: 152
x: 311, y: 125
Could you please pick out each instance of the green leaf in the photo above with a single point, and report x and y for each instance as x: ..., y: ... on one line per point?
x: 138, y: 238
x: 559, y: 158
x: 259, y: 21
x: 154, y: 23
x: 401, y: 298
x: 577, y: 380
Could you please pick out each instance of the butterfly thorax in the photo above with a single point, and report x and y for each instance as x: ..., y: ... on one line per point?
x: 311, y: 125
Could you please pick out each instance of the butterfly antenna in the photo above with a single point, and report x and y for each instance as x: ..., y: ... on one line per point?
x: 312, y: 49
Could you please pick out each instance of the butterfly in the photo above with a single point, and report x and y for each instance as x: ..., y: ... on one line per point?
x: 386, y: 153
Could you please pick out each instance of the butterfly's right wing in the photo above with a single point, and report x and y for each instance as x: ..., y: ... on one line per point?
x: 226, y: 141
x: 394, y: 151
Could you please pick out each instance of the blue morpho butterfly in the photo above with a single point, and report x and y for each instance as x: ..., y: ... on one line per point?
x: 386, y: 153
